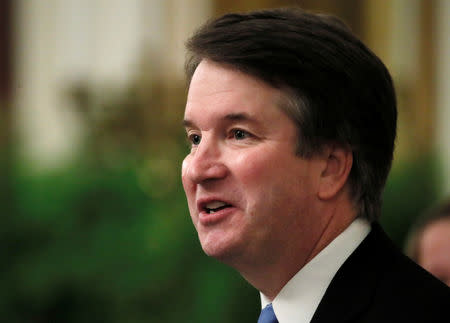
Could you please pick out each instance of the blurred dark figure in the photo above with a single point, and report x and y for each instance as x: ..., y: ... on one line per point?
x: 429, y: 242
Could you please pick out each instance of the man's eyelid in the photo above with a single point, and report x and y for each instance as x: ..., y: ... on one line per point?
x: 243, y: 127
x: 234, y: 129
x: 248, y: 134
x: 192, y: 131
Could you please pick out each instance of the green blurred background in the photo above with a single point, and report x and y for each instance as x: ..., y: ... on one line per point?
x: 94, y: 225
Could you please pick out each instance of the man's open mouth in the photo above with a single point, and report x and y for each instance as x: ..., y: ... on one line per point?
x: 215, y: 206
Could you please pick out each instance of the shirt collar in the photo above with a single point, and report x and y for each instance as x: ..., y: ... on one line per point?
x: 299, y: 298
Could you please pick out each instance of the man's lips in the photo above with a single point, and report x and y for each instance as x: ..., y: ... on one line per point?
x: 212, y: 204
x: 213, y: 209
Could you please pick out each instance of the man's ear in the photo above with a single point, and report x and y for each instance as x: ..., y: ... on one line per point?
x: 338, y: 163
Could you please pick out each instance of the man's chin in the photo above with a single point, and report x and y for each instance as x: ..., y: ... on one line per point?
x: 225, y: 252
x: 215, y: 250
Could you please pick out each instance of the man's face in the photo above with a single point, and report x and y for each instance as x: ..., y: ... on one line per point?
x: 434, y: 249
x: 249, y: 195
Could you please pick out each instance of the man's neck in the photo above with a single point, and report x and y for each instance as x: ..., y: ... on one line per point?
x: 270, y: 278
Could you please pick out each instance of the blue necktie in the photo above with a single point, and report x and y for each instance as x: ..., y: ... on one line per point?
x: 267, y: 315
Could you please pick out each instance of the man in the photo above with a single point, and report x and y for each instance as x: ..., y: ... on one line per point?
x: 429, y: 242
x: 292, y: 122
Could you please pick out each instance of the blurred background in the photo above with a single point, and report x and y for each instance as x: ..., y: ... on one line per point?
x: 94, y: 225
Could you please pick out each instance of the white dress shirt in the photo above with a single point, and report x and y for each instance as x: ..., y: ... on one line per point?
x: 300, y: 297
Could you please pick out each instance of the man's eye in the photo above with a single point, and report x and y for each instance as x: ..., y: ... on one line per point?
x: 195, y: 139
x: 240, y: 134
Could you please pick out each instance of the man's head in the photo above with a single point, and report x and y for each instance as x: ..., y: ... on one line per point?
x: 429, y: 242
x: 292, y: 123
x: 336, y: 91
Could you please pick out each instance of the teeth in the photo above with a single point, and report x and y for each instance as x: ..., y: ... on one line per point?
x: 215, y: 205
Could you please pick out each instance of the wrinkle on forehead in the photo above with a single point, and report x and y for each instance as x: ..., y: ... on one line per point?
x: 223, y: 82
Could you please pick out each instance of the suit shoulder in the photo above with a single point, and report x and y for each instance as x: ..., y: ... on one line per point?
x: 407, y: 291
x: 377, y: 283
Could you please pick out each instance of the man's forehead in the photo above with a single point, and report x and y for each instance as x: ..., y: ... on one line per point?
x: 221, y: 78
x: 220, y: 93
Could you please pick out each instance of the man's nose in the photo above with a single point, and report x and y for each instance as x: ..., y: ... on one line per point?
x: 206, y: 163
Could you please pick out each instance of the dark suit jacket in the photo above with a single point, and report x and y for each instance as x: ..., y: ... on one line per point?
x: 377, y: 283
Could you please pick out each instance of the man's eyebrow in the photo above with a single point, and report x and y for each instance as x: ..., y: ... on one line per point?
x: 242, y: 116
x: 239, y: 117
x: 188, y: 123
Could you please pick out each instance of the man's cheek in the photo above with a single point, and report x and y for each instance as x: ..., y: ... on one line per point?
x: 251, y: 167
